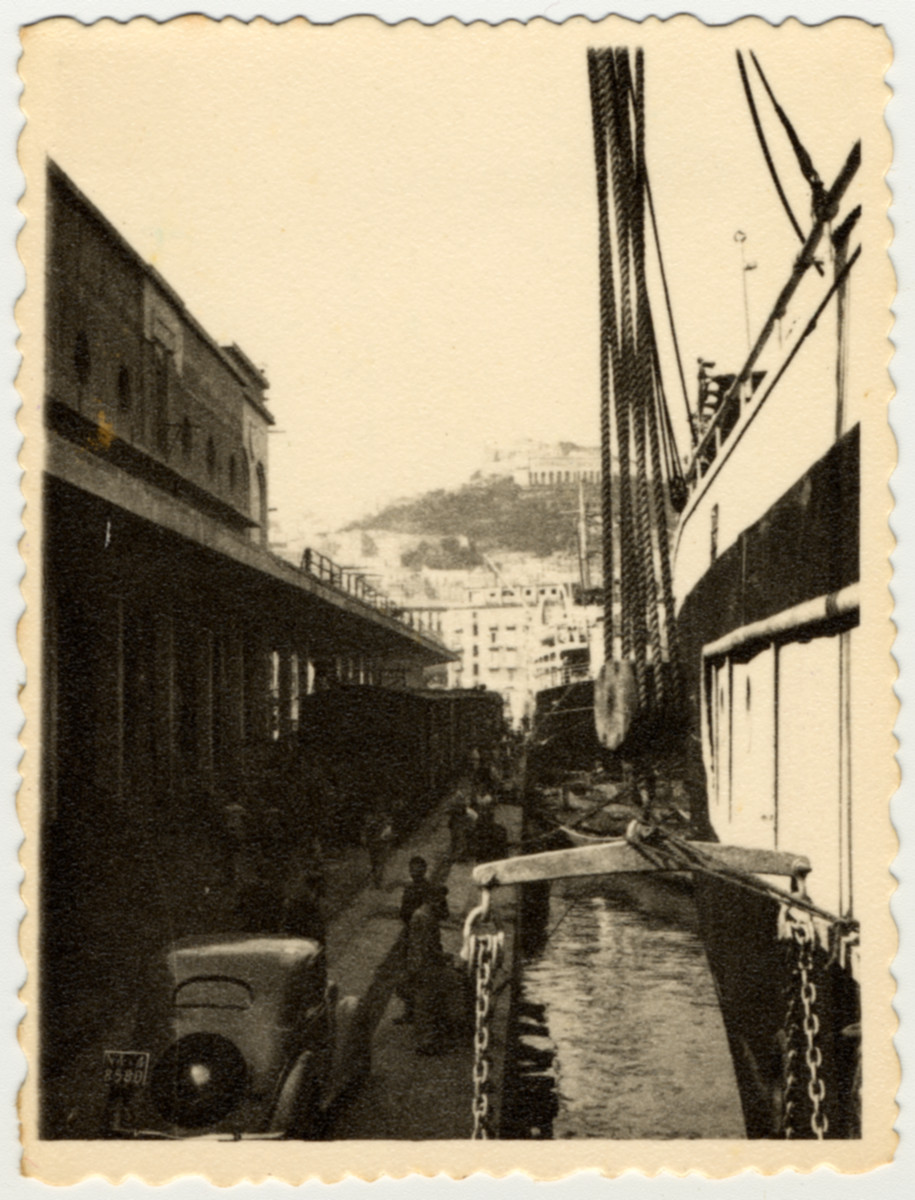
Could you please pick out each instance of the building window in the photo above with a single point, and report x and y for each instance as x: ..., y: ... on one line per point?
x: 187, y: 438
x: 294, y: 693
x: 476, y: 650
x: 262, y: 511
x: 161, y: 410
x: 124, y: 389
x: 211, y: 457
x: 81, y: 358
x: 476, y: 669
x: 493, y: 634
x: 233, y: 477
x: 714, y: 533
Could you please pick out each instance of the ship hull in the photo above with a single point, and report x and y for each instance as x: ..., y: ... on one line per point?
x: 563, y: 733
x: 756, y: 978
x: 765, y: 661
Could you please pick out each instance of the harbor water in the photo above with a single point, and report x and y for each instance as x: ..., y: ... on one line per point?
x: 630, y: 1006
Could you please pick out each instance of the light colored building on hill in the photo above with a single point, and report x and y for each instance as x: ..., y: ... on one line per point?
x: 543, y: 464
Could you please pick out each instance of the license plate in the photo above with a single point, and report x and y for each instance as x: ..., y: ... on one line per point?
x: 125, y: 1068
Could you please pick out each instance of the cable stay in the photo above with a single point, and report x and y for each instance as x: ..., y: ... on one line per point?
x: 805, y: 162
x: 767, y: 154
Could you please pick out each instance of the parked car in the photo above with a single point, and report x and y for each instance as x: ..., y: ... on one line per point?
x: 238, y: 1036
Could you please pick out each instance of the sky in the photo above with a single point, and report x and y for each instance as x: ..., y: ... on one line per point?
x: 400, y: 224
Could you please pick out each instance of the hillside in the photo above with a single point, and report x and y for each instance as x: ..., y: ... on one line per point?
x: 483, y: 517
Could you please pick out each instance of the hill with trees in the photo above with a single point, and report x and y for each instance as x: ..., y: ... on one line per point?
x: 484, y: 517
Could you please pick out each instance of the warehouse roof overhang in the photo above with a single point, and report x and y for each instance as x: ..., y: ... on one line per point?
x: 224, y: 561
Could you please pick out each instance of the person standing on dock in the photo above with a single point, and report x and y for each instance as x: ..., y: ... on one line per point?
x: 417, y: 892
x: 377, y: 836
x: 461, y: 820
x: 301, y: 914
x: 428, y: 977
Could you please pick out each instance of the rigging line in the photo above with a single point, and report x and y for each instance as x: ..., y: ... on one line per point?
x: 694, y: 860
x: 671, y: 454
x: 669, y: 306
x: 572, y: 904
x: 764, y: 146
x: 804, y: 260
x: 670, y: 311
x: 647, y: 449
x: 812, y: 323
x: 803, y: 158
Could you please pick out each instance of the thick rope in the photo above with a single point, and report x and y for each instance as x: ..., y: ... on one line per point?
x: 606, y: 334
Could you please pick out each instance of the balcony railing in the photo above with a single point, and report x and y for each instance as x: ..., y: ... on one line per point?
x: 354, y: 583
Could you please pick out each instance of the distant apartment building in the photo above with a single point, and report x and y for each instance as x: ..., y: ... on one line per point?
x: 497, y: 632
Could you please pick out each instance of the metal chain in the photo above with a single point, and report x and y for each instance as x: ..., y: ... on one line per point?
x: 484, y: 956
x: 482, y: 952
x: 789, y: 1067
x: 798, y: 926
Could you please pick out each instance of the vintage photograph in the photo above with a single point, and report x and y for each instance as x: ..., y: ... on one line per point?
x: 459, y: 718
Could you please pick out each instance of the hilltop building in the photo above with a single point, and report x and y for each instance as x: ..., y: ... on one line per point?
x: 544, y: 464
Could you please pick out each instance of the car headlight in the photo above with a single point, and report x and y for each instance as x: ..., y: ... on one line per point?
x: 199, y: 1080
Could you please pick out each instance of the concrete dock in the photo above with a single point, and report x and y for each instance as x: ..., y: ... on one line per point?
x: 407, y: 1095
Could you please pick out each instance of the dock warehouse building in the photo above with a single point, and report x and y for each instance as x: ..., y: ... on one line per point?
x: 177, y: 649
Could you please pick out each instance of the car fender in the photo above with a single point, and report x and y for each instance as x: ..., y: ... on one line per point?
x: 352, y: 1047
x: 302, y: 1078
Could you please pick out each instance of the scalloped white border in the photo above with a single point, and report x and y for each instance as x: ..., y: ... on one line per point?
x: 898, y: 16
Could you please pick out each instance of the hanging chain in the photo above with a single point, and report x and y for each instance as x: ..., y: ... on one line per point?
x: 789, y: 1067
x: 797, y: 926
x: 483, y: 962
x: 483, y: 952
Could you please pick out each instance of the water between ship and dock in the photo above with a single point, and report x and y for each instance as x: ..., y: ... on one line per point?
x: 614, y: 1032
x: 635, y: 1035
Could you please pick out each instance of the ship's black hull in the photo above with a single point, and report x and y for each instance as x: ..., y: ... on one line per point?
x: 564, y: 737
x: 757, y: 980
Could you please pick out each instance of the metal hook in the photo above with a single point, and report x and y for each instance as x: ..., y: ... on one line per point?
x: 475, y: 916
